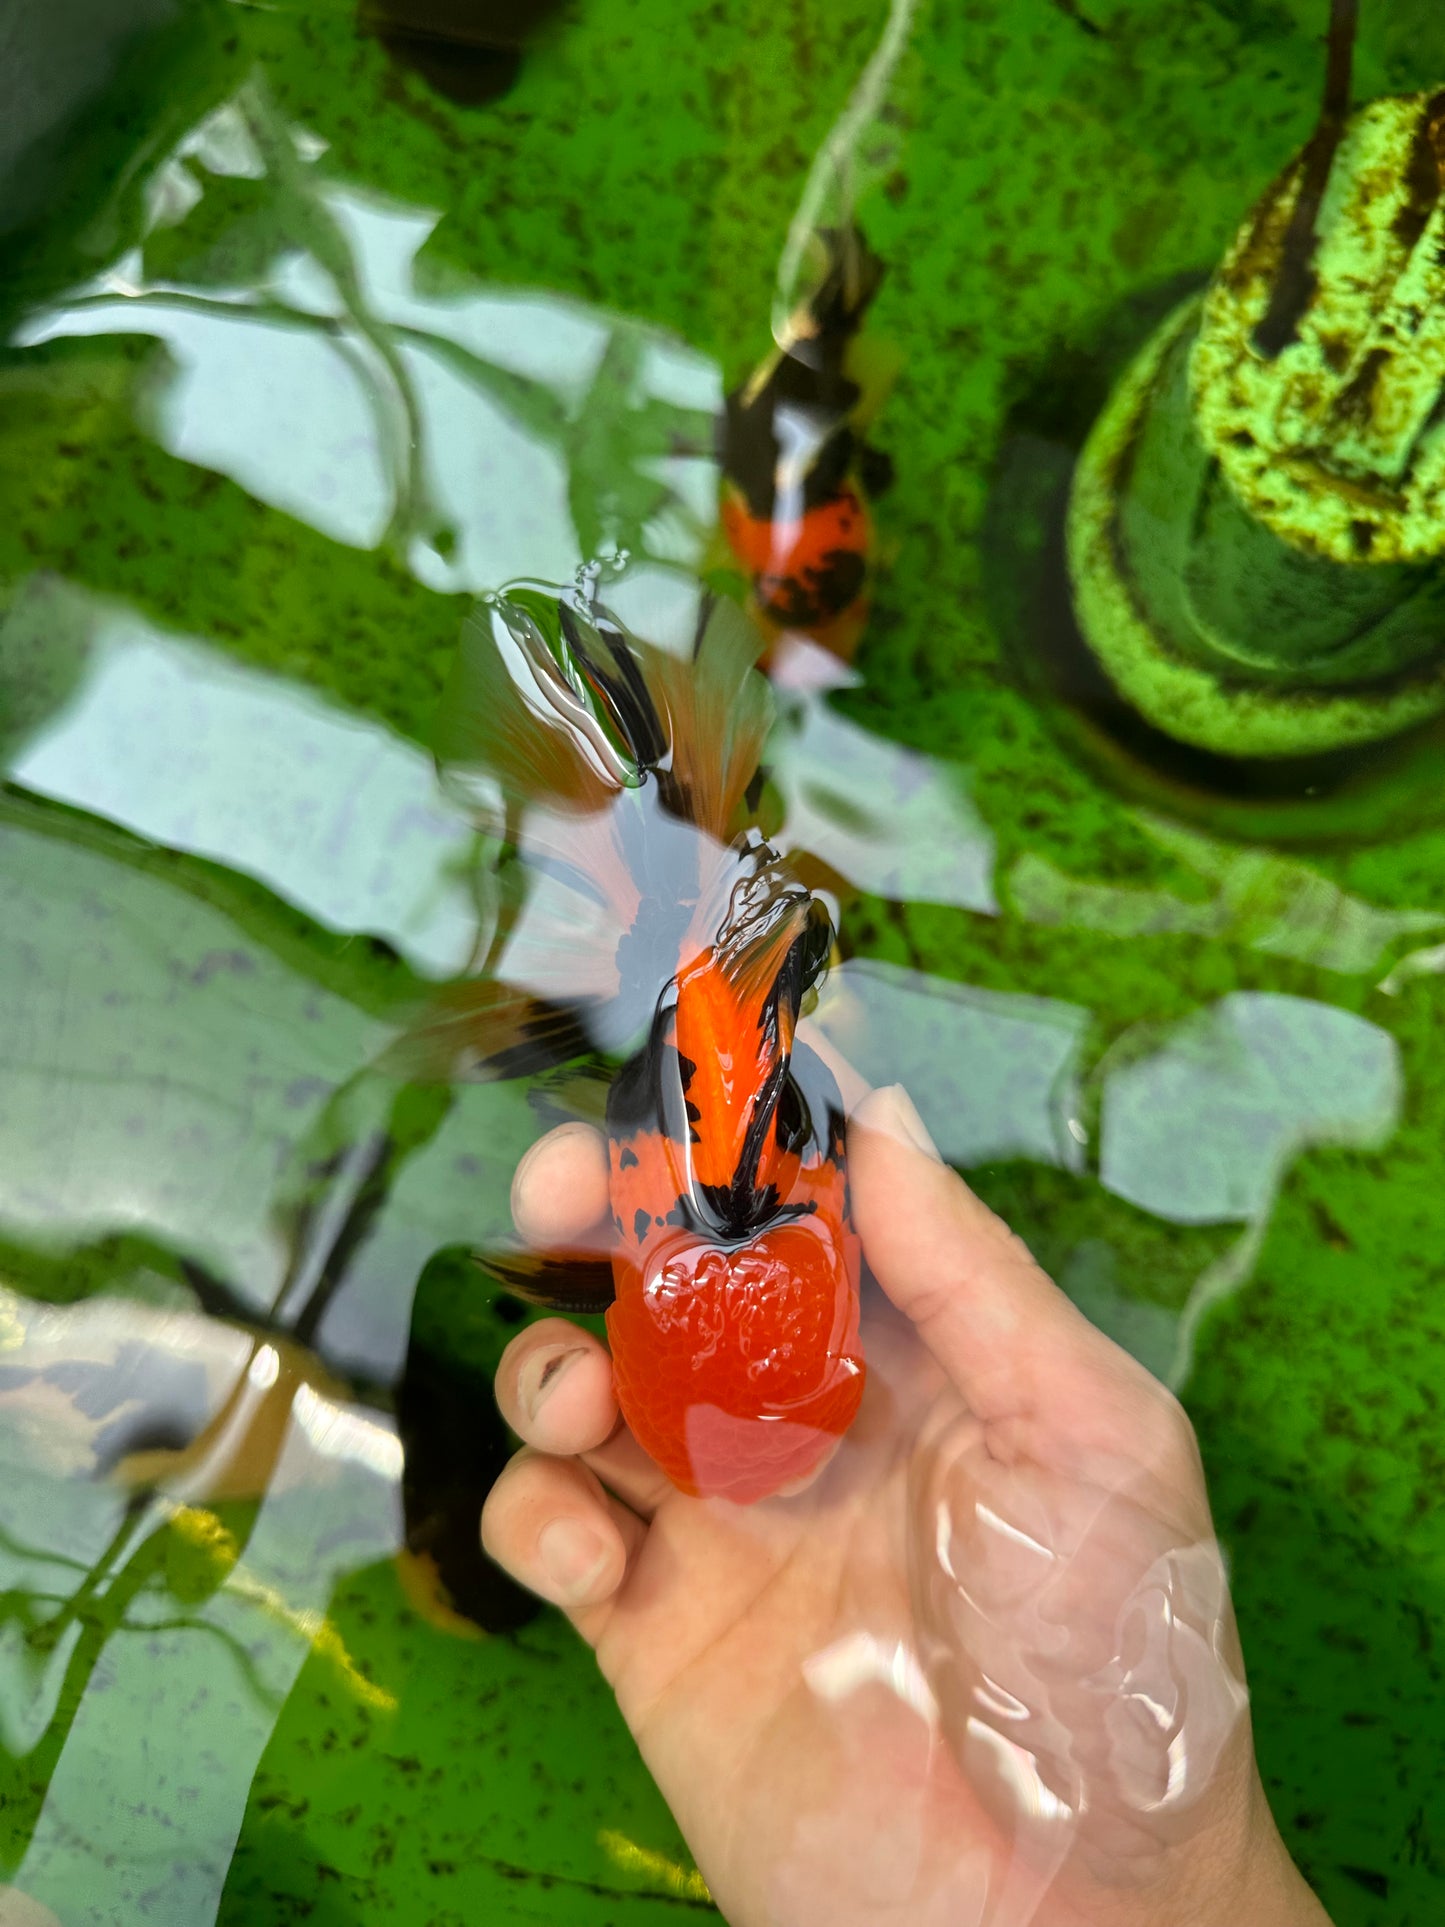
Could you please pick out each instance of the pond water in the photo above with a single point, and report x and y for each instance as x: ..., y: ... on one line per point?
x: 317, y: 327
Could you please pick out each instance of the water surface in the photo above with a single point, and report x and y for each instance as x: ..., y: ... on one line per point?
x: 302, y: 354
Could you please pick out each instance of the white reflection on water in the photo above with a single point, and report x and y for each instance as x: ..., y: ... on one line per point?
x: 501, y: 491
x: 178, y: 1666
x: 1282, y: 905
x: 1201, y: 1130
x: 892, y: 821
x: 333, y: 812
x: 223, y: 1665
x: 161, y: 1067
x: 1200, y: 1122
x: 270, y: 404
x: 351, y: 1436
x: 995, y: 1074
x: 166, y: 1073
x: 351, y: 389
x: 78, y: 1523
x: 551, y: 341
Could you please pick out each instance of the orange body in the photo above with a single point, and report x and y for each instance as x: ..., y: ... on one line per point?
x: 734, y: 1330
x: 739, y: 1368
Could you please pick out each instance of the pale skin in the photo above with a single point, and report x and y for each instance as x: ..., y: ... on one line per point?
x: 818, y: 1683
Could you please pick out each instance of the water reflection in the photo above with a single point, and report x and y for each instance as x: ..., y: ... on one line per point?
x: 994, y: 1074
x: 188, y: 1116
x: 174, y: 741
x: 190, y: 1625
x: 887, y: 820
x: 314, y: 359
x: 1278, y: 904
x: 1200, y: 1127
x: 1197, y: 1125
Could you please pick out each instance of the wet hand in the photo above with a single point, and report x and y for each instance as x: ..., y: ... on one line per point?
x: 983, y: 1672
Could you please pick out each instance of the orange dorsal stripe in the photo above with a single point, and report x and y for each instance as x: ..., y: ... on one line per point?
x: 724, y: 1029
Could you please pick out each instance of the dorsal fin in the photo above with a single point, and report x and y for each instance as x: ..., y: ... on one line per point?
x: 611, y: 769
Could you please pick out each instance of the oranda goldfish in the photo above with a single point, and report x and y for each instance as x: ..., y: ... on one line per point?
x: 645, y: 918
x: 797, y: 472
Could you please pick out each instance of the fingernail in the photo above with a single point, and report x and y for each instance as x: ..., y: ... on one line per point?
x: 540, y: 1374
x: 573, y: 1558
x: 892, y: 1111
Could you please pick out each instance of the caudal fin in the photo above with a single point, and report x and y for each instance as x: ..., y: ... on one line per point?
x: 609, y: 770
x: 554, y: 703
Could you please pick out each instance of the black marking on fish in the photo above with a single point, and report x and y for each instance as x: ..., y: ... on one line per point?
x: 875, y: 470
x: 807, y: 379
x: 815, y: 594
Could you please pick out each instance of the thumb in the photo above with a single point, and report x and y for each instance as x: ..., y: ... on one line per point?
x: 1019, y: 1353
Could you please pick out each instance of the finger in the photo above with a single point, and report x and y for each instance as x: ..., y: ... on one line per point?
x: 554, y: 1387
x: 1025, y: 1360
x: 969, y: 1286
x: 624, y: 1468
x: 559, y: 1194
x: 549, y: 1524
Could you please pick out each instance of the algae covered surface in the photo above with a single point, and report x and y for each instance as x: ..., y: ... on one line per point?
x: 302, y: 354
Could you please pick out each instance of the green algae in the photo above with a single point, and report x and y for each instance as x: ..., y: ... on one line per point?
x: 1058, y: 165
x: 487, y: 1802
x: 1252, y: 539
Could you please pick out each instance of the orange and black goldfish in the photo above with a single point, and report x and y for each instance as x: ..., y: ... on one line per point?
x: 650, y: 922
x: 797, y: 475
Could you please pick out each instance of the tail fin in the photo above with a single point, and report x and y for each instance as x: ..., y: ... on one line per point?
x: 610, y: 769
x: 553, y: 703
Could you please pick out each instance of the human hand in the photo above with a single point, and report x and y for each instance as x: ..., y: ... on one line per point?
x: 983, y: 1672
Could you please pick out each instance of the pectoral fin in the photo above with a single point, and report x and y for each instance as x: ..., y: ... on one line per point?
x: 580, y: 1285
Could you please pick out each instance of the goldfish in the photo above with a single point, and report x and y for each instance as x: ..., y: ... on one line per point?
x: 648, y: 918
x: 797, y: 474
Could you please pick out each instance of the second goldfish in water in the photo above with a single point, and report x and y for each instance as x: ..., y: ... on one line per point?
x: 798, y: 474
